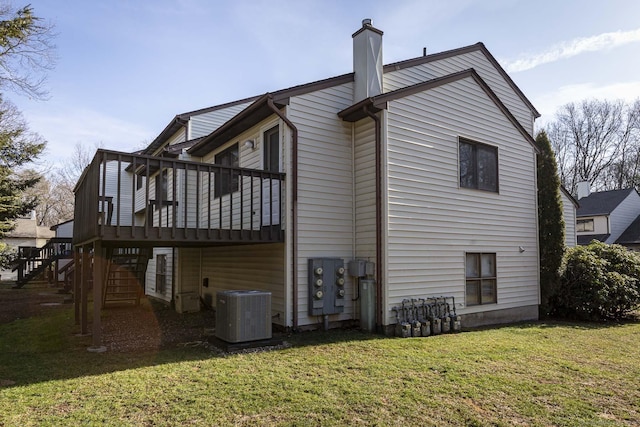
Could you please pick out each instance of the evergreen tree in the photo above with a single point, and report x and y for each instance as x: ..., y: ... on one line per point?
x: 550, y: 222
x: 18, y: 146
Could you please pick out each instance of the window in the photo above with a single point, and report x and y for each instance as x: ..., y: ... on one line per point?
x: 161, y: 274
x: 481, y: 279
x: 226, y: 181
x: 139, y: 181
x: 272, y: 150
x: 162, y: 185
x: 584, y: 225
x: 478, y: 166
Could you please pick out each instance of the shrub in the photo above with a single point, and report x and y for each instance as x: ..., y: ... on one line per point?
x: 7, y: 257
x: 598, y: 282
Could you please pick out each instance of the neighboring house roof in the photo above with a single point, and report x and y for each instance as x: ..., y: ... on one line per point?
x: 602, y: 202
x: 631, y: 235
x: 379, y: 102
x: 585, y: 239
x: 55, y: 227
x: 29, y: 228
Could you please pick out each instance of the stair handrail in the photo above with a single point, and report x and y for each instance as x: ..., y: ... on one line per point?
x: 39, y: 258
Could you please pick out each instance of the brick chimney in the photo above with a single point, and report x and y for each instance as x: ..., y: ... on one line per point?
x: 367, y: 61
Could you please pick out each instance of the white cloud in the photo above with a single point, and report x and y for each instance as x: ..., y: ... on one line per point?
x: 547, y: 104
x: 572, y: 48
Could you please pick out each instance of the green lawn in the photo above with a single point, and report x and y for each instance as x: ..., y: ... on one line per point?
x: 535, y: 374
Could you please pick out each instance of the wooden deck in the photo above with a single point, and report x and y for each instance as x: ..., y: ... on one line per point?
x: 133, y: 200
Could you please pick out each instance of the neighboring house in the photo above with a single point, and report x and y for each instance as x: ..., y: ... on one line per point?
x: 569, y: 212
x: 63, y: 230
x: 631, y: 236
x: 424, y: 167
x: 605, y: 215
x: 27, y: 234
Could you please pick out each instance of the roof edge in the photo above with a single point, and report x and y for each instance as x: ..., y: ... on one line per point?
x: 460, y: 51
x: 358, y: 110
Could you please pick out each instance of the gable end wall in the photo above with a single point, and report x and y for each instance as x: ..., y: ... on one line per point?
x: 476, y: 60
x: 432, y: 222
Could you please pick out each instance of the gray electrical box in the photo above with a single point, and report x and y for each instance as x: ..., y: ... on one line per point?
x: 361, y: 268
x: 356, y: 267
x: 326, y: 286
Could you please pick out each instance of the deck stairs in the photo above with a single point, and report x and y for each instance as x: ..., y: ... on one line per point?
x: 32, y: 262
x: 125, y: 276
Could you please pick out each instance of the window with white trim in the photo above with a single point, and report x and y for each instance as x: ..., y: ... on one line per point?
x: 585, y: 225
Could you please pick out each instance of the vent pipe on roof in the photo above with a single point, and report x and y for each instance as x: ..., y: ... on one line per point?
x: 367, y: 61
x: 584, y: 189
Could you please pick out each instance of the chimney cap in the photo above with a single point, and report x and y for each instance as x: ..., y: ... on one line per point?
x: 367, y: 24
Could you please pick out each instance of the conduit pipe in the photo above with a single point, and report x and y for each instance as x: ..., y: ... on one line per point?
x: 378, y: 151
x: 294, y: 207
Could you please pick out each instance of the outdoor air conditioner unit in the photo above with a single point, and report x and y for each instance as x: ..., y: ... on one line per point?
x: 243, y: 316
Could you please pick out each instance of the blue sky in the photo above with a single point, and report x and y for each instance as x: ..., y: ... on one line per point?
x: 126, y: 68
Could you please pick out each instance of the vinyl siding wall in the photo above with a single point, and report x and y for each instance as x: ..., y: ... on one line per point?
x: 247, y: 267
x: 569, y: 214
x: 365, y: 189
x: 325, y: 189
x: 600, y: 225
x: 150, y: 279
x: 432, y: 222
x: 236, y: 267
x: 122, y: 206
x: 65, y: 229
x: 476, y: 60
x: 188, y: 273
x: 205, y: 123
x: 623, y: 215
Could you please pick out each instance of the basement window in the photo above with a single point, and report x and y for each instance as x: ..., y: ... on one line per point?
x: 481, y: 279
x: 478, y: 165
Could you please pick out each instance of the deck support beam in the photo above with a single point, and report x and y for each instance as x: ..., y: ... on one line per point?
x: 84, y: 289
x: 98, y: 278
x: 76, y: 285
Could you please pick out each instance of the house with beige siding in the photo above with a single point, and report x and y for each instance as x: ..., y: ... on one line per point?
x: 408, y: 180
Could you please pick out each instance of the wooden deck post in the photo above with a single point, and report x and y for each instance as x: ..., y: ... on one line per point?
x: 98, y: 277
x: 84, y: 279
x: 76, y: 284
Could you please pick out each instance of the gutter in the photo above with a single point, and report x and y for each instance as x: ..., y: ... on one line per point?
x: 294, y: 207
x: 378, y: 150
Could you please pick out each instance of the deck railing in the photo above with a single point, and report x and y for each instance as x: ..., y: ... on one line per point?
x: 32, y: 261
x: 123, y: 196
